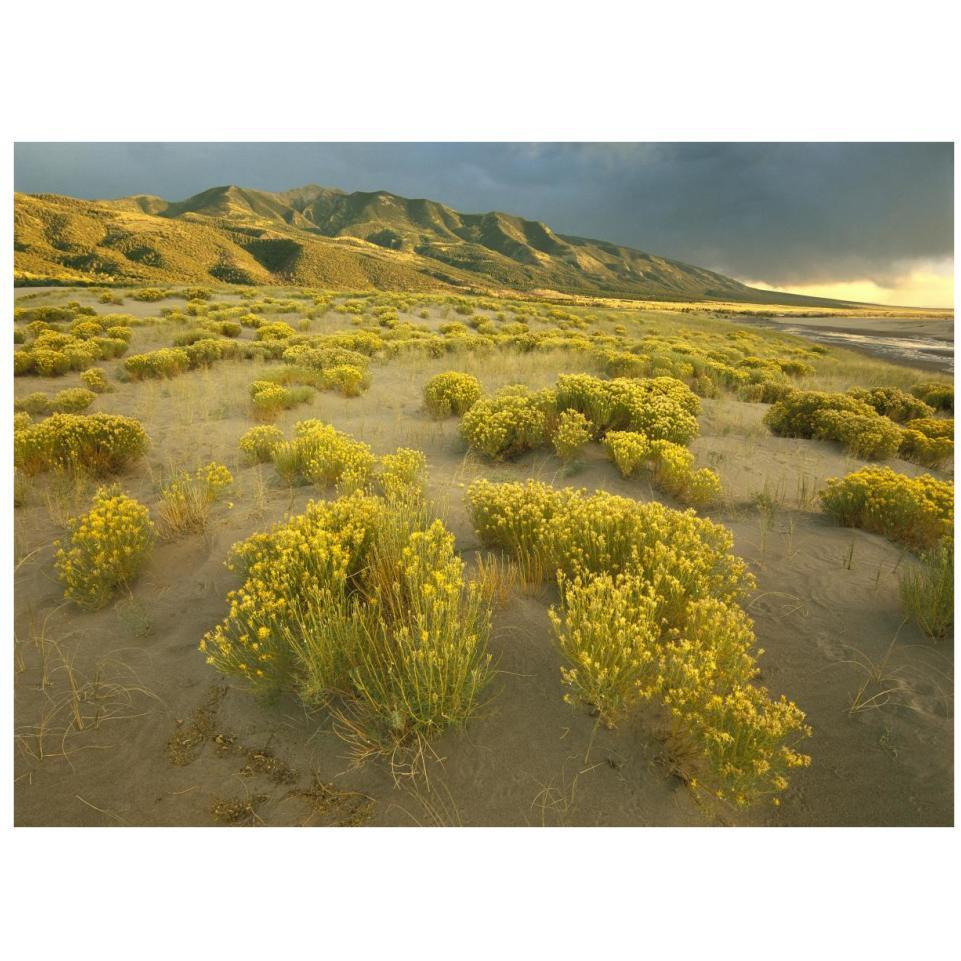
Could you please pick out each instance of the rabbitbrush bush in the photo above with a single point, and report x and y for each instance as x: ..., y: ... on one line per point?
x: 94, y: 379
x: 940, y: 396
x: 97, y: 443
x: 347, y: 379
x: 928, y: 441
x: 451, y: 393
x: 268, y: 399
x: 661, y: 408
x: 508, y: 423
x: 915, y: 511
x: 650, y: 611
x: 324, y: 456
x: 572, y: 431
x: 258, y: 443
x: 361, y: 600
x: 869, y: 436
x: 105, y: 548
x: 893, y: 403
x: 165, y: 362
x: 671, y: 465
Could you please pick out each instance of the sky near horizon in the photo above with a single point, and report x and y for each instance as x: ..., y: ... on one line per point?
x: 860, y: 221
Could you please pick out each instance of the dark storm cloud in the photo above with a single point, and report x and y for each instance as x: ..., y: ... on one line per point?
x: 776, y: 213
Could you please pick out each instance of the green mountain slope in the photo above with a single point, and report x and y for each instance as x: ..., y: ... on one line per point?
x: 316, y: 236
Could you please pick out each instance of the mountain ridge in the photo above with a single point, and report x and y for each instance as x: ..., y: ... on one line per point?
x: 322, y: 236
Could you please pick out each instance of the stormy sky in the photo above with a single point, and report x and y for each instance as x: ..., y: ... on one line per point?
x: 858, y: 220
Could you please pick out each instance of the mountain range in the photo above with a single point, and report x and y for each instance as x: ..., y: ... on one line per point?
x: 322, y: 237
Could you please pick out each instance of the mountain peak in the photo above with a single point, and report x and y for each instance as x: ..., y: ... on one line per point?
x: 322, y: 236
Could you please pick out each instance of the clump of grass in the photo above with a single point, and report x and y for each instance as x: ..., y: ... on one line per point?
x: 927, y: 592
x: 186, y: 501
x: 105, y: 548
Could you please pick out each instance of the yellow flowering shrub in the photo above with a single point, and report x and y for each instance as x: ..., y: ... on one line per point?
x: 915, y: 511
x: 629, y: 450
x: 650, y: 611
x: 72, y: 400
x: 21, y: 419
x: 258, y: 443
x: 508, y: 423
x: 672, y: 466
x: 869, y: 436
x: 165, y: 362
x: 347, y: 379
x: 98, y: 443
x: 451, y: 393
x: 105, y: 549
x: 324, y: 456
x: 354, y: 599
x: 268, y: 398
x: 796, y: 415
x: 275, y: 331
x: 186, y: 500
x: 893, y: 403
x: 94, y: 379
x: 403, y: 473
x: 936, y: 394
x: 928, y: 441
x: 572, y: 431
x: 574, y: 532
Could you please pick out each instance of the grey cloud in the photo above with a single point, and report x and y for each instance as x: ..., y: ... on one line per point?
x: 776, y: 213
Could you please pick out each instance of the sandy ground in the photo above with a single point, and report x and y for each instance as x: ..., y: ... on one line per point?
x: 165, y: 739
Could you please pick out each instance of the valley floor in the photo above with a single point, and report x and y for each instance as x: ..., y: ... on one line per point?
x: 168, y: 741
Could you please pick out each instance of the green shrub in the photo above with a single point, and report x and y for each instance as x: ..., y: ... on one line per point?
x: 796, y: 415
